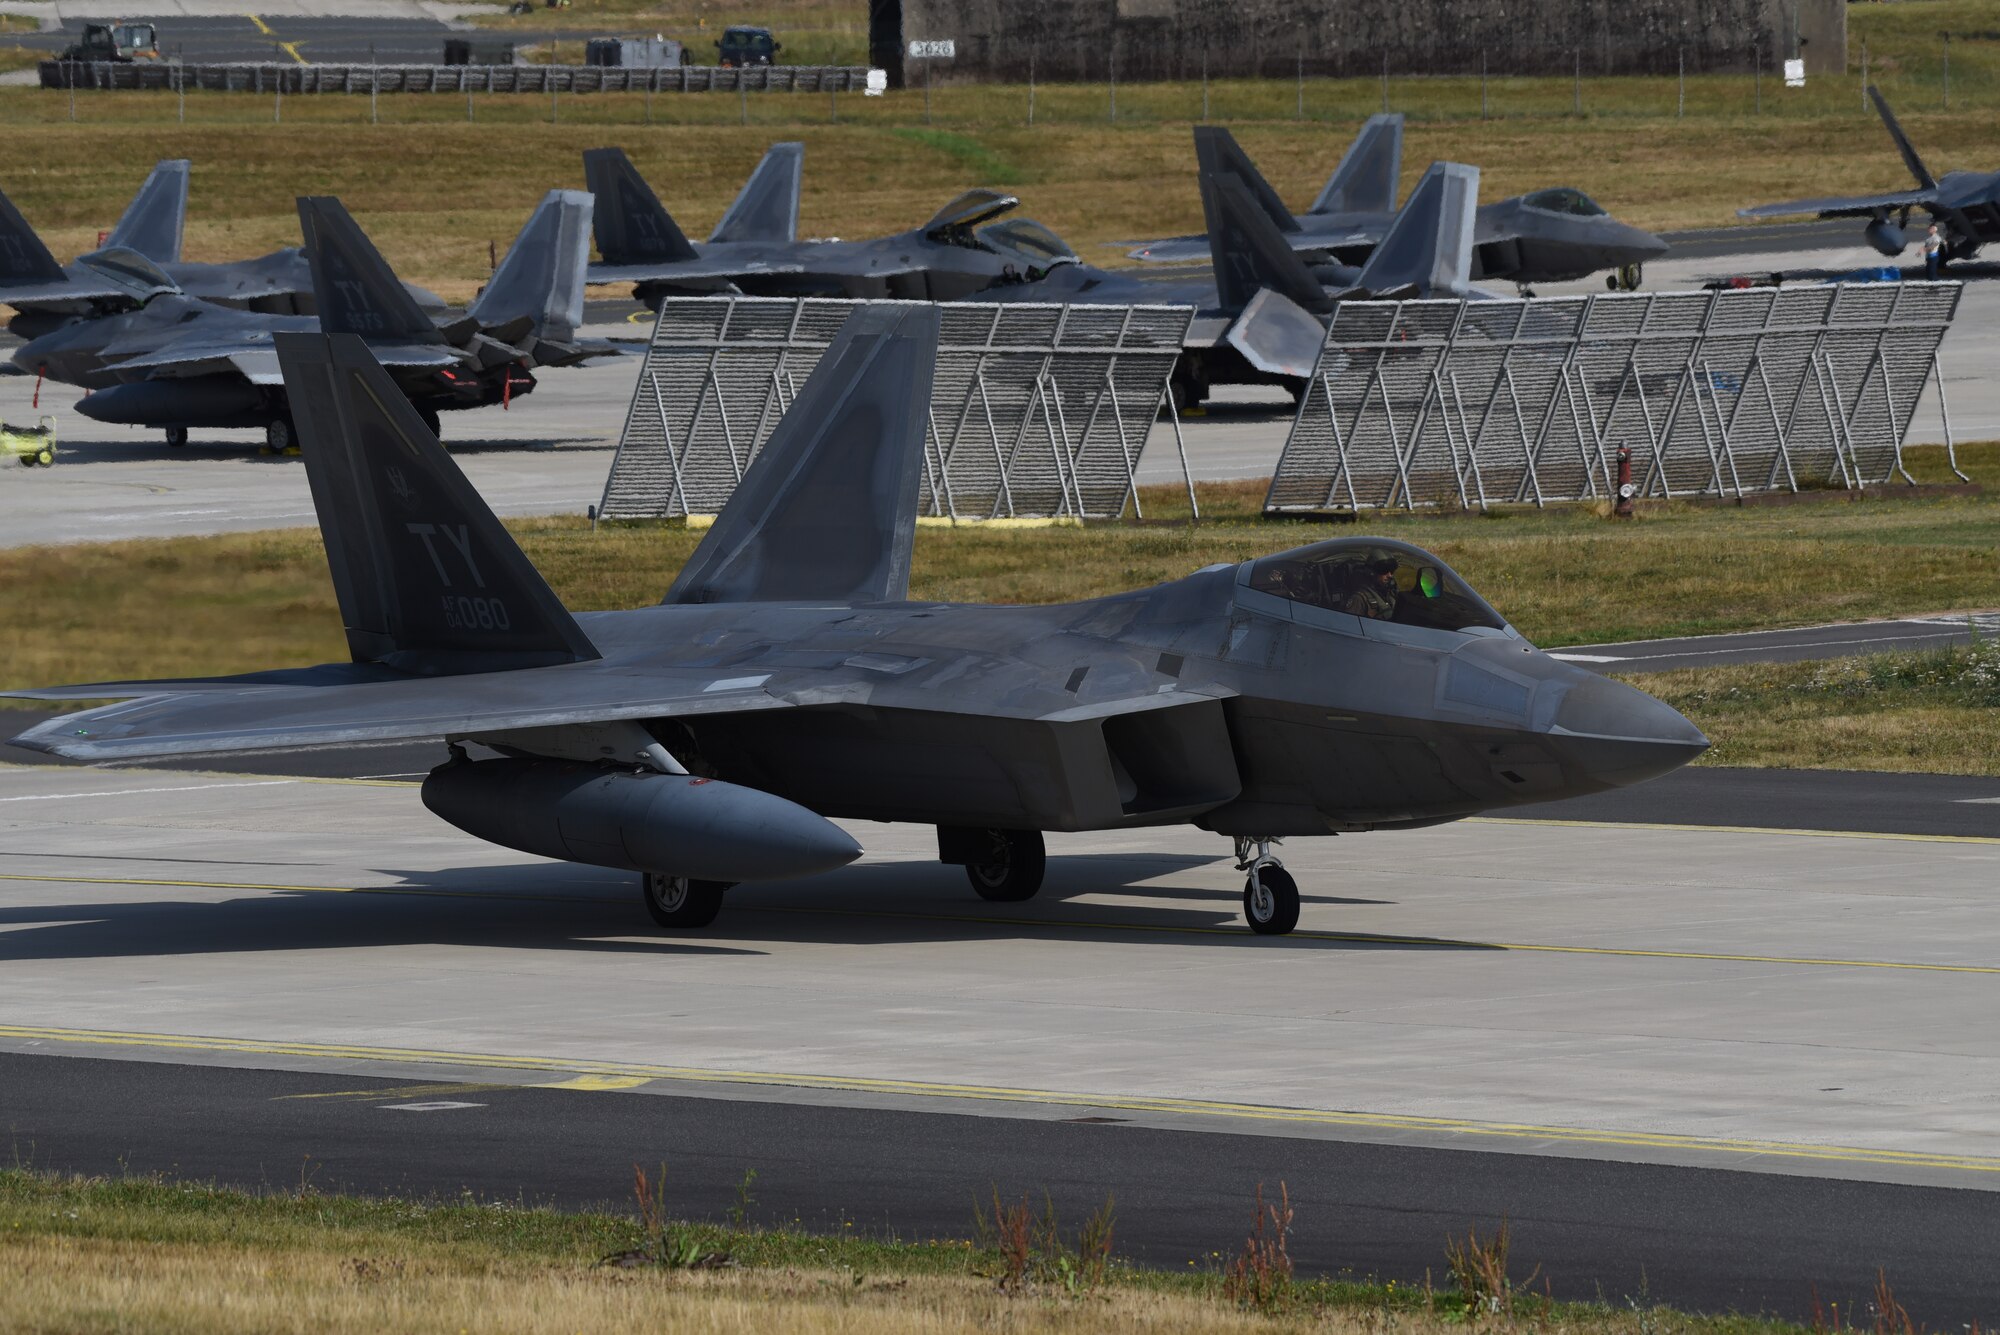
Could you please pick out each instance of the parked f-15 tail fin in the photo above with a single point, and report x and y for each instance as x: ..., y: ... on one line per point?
x: 1427, y: 251
x: 355, y: 290
x: 828, y: 512
x: 1903, y: 145
x: 631, y: 224
x: 428, y: 580
x: 767, y: 208
x: 541, y: 279
x: 1366, y: 179
x: 152, y: 223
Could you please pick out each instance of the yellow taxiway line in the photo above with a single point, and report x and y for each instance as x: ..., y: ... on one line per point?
x: 1050, y: 924
x: 262, y: 26
x: 593, y: 1075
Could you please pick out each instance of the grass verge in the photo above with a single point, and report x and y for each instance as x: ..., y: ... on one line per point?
x: 1933, y: 713
x: 94, y: 1255
x: 241, y: 602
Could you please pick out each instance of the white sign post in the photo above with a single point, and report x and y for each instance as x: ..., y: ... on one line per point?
x: 1795, y: 74
x: 941, y: 49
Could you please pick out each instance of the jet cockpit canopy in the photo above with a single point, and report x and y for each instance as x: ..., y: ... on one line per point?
x: 1377, y: 579
x: 129, y: 271
x: 954, y: 223
x: 1564, y: 200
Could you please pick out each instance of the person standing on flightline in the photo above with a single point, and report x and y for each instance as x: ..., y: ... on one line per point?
x: 1933, y: 252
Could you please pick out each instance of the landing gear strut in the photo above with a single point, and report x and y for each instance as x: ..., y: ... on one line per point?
x: 1270, y: 895
x: 1625, y: 278
x: 680, y: 901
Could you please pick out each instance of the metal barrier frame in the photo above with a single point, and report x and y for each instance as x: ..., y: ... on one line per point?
x: 288, y: 77
x: 1724, y: 393
x: 1037, y: 410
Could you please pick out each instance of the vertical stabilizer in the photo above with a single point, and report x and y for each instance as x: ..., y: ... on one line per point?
x: 1428, y: 248
x: 1903, y: 145
x: 354, y: 290
x: 428, y: 580
x: 1216, y: 153
x: 828, y: 511
x: 542, y: 277
x: 1248, y: 252
x: 24, y: 259
x: 631, y: 224
x: 152, y: 223
x: 767, y: 209
x: 1366, y: 179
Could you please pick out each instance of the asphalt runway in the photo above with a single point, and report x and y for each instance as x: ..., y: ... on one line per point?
x: 1700, y: 1238
x: 1799, y: 645
x: 1744, y: 1063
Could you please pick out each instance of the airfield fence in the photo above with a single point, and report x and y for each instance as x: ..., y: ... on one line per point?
x: 276, y: 77
x: 1036, y: 411
x: 1727, y: 393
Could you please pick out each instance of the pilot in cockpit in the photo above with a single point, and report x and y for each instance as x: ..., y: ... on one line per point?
x: 1374, y: 593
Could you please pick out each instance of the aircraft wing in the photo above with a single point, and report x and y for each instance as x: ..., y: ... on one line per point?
x: 253, y: 357
x: 687, y: 271
x: 1844, y: 206
x: 214, y: 718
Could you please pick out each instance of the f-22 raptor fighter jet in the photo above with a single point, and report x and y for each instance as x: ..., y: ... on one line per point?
x: 48, y: 295
x: 176, y: 363
x: 960, y: 250
x: 1545, y: 236
x: 787, y: 678
x: 1966, y: 205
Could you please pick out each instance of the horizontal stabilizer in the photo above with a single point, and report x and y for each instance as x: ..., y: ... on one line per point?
x: 153, y: 221
x: 1366, y: 179
x: 1427, y: 251
x: 828, y: 510
x: 767, y: 209
x: 1844, y: 206
x: 541, y: 280
x: 428, y: 580
x: 1277, y: 337
x: 354, y: 290
x: 631, y: 225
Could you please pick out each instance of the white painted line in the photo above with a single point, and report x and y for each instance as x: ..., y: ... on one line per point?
x: 442, y: 1105
x: 1586, y: 658
x: 131, y: 792
x: 1976, y: 801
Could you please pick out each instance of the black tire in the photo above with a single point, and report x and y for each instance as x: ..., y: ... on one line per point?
x: 280, y: 436
x: 1275, y: 911
x: 177, y: 437
x: 1013, y: 870
x: 678, y: 901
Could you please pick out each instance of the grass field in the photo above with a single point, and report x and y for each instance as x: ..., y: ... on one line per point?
x: 434, y: 189
x: 91, y: 1256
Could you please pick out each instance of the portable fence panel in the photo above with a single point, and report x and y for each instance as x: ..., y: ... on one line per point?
x: 1036, y: 410
x: 288, y: 77
x: 1523, y: 402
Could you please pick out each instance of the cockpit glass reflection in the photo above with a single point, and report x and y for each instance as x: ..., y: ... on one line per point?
x: 1375, y: 581
x: 1561, y: 200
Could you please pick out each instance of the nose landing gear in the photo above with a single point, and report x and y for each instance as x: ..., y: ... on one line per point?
x: 1270, y: 895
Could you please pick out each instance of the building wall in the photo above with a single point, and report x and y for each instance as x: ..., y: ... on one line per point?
x: 1170, y: 39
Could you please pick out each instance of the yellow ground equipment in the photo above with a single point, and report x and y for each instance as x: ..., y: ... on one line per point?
x: 30, y: 444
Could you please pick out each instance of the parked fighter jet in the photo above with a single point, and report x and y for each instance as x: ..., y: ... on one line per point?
x: 1262, y: 318
x: 1544, y: 236
x: 48, y: 295
x: 176, y: 362
x: 1354, y: 684
x: 1966, y: 205
x: 960, y: 250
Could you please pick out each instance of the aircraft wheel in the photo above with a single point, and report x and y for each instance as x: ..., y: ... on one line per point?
x: 279, y: 437
x: 45, y: 458
x: 1013, y: 868
x: 177, y: 436
x: 1270, y: 900
x: 680, y: 901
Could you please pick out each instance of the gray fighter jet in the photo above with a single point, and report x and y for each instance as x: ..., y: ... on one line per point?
x: 176, y: 362
x: 1545, y: 236
x: 1262, y: 317
x: 1354, y: 684
x: 48, y: 295
x: 960, y: 250
x: 1966, y: 205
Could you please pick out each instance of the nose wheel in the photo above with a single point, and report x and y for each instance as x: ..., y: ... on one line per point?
x: 1270, y: 895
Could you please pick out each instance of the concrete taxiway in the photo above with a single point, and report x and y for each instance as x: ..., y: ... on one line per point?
x: 1618, y: 1036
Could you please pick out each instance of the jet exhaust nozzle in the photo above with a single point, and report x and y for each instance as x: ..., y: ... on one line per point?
x: 701, y: 828
x: 1886, y: 237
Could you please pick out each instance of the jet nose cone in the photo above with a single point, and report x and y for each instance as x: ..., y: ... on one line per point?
x: 1644, y: 244
x: 1620, y: 735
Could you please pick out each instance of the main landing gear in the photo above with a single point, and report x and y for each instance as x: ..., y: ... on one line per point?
x: 1006, y: 866
x: 680, y: 901
x: 1270, y: 895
